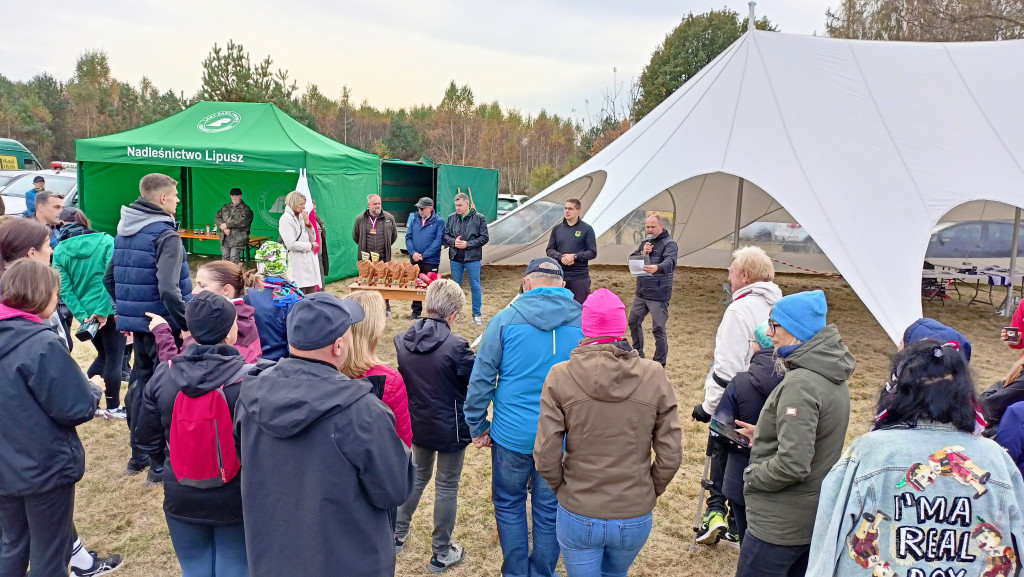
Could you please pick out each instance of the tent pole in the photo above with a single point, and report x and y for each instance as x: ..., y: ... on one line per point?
x: 1008, y: 309
x: 750, y: 19
x: 739, y: 212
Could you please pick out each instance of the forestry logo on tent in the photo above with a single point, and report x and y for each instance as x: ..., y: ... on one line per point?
x: 272, y: 205
x: 219, y: 121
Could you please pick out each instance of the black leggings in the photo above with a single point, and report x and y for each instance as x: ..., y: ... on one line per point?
x: 109, y: 343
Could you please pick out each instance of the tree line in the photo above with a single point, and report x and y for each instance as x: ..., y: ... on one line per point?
x: 531, y: 151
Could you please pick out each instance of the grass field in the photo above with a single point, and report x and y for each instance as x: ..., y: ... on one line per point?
x: 119, y: 514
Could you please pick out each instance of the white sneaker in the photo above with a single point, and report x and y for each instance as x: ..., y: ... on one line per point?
x: 101, y: 414
x: 118, y: 413
x: 478, y: 320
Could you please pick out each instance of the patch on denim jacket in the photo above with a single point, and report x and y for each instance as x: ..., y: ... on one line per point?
x: 951, y: 462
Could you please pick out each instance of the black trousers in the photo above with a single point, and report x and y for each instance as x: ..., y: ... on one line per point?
x: 760, y: 559
x: 145, y: 364
x: 109, y: 343
x: 580, y: 288
x: 37, y: 530
x: 425, y: 267
x: 716, y: 498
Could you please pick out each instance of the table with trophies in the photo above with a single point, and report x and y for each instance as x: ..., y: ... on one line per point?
x: 397, y: 281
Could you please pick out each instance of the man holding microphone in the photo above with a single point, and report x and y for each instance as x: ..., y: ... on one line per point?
x: 654, y: 290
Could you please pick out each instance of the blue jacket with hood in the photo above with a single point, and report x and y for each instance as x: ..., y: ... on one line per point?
x: 424, y: 238
x: 520, y: 345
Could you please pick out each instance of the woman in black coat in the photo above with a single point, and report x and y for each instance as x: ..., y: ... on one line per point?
x: 41, y: 457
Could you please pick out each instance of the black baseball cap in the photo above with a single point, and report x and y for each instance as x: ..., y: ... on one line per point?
x: 38, y: 178
x: 320, y: 319
x: 424, y: 202
x: 236, y: 192
x: 543, y: 264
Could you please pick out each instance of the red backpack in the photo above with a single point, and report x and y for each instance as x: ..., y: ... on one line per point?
x: 202, y: 442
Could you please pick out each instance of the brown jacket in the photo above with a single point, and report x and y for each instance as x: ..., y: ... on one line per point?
x: 611, y: 408
x: 380, y: 243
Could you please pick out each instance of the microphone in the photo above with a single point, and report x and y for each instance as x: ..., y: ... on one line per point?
x: 649, y: 238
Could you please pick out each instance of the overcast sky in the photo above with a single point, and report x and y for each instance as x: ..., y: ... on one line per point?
x: 527, y: 54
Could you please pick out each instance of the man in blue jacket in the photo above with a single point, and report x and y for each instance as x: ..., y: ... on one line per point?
x: 423, y: 235
x: 520, y: 345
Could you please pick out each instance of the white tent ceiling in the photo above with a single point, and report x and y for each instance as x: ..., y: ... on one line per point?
x: 866, y: 144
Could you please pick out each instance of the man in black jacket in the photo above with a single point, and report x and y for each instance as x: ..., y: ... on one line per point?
x: 465, y: 234
x: 322, y: 462
x: 654, y: 291
x: 573, y: 244
x: 435, y: 365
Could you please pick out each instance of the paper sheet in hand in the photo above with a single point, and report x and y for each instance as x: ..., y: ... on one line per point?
x: 636, y: 267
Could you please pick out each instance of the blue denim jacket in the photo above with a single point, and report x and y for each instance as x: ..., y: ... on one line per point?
x: 919, y: 502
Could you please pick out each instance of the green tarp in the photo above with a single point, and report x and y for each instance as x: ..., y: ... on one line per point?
x: 404, y: 182
x: 212, y: 147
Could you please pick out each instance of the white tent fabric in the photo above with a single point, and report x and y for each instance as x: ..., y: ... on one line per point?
x: 866, y: 144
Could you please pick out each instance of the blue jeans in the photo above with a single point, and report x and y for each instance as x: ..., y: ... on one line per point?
x: 209, y: 550
x: 598, y: 546
x: 473, y: 270
x: 511, y: 472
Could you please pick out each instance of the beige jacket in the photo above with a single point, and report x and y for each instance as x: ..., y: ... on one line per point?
x: 298, y: 239
x: 611, y: 408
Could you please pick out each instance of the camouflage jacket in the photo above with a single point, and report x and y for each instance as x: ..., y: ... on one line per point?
x: 237, y: 219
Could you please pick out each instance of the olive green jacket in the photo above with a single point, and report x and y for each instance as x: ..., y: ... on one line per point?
x: 800, y: 436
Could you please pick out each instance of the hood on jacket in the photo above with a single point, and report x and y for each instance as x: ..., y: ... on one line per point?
x: 425, y: 335
x: 71, y: 230
x: 84, y: 244
x: 203, y: 368
x: 767, y: 289
x: 826, y: 355
x: 7, y: 312
x: 547, y: 307
x: 289, y: 397
x: 138, y: 215
x: 932, y: 329
x: 762, y: 371
x: 620, y: 368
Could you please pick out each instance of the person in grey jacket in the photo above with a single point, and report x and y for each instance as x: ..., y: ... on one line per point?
x: 653, y: 292
x: 323, y: 464
x: 921, y: 495
x: 799, y: 436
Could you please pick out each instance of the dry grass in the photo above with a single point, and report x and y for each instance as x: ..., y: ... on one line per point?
x: 115, y: 513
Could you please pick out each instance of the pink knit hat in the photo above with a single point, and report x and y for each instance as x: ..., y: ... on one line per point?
x: 604, y: 315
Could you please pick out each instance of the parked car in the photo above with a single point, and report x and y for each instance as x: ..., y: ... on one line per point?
x: 63, y: 181
x: 509, y: 202
x: 758, y: 232
x: 973, y: 239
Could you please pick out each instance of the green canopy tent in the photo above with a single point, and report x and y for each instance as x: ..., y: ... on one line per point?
x: 212, y: 147
x: 404, y: 182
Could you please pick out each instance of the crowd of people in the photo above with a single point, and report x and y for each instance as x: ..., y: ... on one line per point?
x: 285, y: 445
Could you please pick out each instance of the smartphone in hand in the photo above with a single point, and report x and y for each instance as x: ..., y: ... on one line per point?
x: 1012, y: 335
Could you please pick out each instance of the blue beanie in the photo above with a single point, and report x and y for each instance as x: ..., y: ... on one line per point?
x: 933, y: 329
x: 801, y: 314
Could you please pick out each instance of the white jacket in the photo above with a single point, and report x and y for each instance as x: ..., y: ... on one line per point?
x: 302, y: 262
x: 750, y: 307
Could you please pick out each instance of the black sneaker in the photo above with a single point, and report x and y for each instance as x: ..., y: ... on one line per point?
x: 730, y: 538
x: 155, y: 476
x: 399, y: 545
x: 135, y: 467
x: 441, y: 563
x: 100, y: 566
